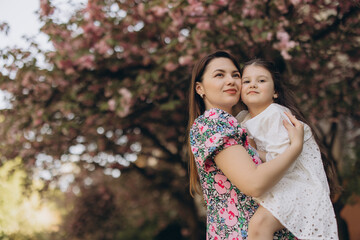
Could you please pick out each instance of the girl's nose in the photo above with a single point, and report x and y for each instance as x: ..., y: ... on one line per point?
x: 253, y: 84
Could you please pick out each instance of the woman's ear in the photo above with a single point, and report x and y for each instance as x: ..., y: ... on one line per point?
x: 199, y: 89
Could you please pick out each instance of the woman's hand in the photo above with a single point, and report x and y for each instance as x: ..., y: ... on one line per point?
x: 296, y: 131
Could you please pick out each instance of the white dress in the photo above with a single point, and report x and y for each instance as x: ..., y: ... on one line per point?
x: 301, y: 199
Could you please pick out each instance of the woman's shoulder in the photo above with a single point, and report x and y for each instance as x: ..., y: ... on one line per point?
x: 215, y: 122
x: 216, y: 116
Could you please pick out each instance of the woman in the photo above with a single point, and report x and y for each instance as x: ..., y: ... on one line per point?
x: 228, y: 170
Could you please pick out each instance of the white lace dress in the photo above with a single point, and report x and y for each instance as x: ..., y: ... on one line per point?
x: 301, y: 199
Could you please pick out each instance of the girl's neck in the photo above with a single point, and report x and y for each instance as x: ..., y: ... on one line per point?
x: 256, y: 110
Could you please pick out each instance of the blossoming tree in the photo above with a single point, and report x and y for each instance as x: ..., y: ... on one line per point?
x: 115, y: 84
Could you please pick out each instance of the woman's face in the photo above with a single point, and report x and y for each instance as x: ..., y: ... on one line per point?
x: 221, y: 84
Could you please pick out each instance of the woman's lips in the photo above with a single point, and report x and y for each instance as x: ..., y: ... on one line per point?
x: 231, y: 91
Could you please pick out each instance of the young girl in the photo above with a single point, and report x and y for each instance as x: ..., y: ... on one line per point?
x: 300, y: 201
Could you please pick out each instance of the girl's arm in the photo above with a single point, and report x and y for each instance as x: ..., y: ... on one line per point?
x: 255, y: 180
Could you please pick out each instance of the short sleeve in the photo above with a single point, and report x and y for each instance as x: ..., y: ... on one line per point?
x: 212, y: 132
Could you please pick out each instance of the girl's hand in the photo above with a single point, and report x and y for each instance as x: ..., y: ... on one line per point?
x: 296, y: 131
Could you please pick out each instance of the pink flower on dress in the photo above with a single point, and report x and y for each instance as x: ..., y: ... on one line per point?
x: 209, y: 168
x: 232, y: 213
x: 234, y: 236
x: 217, y: 237
x: 200, y: 161
x: 203, y: 128
x: 221, y: 185
x: 232, y: 121
x: 241, y: 130
x: 256, y: 160
x: 233, y: 197
x: 212, y: 114
x: 229, y: 214
x: 212, y: 140
x: 194, y: 149
x: 212, y: 229
x: 229, y: 142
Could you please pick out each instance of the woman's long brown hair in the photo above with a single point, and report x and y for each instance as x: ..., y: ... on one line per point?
x: 286, y: 97
x: 197, y: 107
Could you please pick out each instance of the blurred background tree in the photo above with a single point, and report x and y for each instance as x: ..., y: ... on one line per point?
x: 104, y: 117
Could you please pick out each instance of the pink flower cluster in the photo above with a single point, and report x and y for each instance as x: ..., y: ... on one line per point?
x: 285, y: 44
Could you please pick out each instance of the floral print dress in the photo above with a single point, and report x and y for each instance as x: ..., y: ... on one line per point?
x: 228, y: 209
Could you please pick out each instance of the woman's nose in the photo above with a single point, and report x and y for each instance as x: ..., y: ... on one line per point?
x: 230, y: 79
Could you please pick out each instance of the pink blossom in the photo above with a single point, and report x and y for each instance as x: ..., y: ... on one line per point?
x: 141, y: 9
x: 125, y: 102
x: 222, y: 2
x: 284, y: 44
x: 46, y: 8
x: 204, y: 26
x: 170, y: 66
x: 102, y: 47
x: 181, y: 39
x: 159, y: 11
x: 185, y: 60
x: 295, y: 2
x: 285, y: 55
x: 195, y: 9
x: 221, y: 184
x: 86, y: 61
x: 112, y: 104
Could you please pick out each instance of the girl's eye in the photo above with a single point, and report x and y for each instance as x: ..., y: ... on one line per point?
x: 262, y: 80
x: 245, y: 81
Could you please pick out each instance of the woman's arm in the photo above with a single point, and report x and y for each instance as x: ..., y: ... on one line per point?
x: 255, y: 180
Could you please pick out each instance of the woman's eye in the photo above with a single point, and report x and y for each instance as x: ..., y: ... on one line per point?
x: 219, y: 75
x: 236, y: 76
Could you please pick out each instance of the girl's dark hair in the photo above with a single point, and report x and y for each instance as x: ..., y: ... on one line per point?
x: 286, y: 97
x: 197, y: 107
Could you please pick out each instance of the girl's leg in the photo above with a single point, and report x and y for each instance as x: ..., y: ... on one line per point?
x: 263, y: 225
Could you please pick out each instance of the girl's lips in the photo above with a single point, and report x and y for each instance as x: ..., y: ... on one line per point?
x: 252, y: 92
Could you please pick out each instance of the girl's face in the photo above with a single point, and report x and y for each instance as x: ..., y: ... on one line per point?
x: 221, y: 84
x: 257, y: 88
